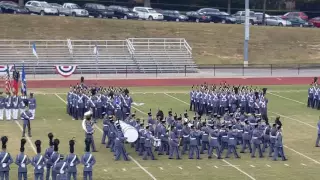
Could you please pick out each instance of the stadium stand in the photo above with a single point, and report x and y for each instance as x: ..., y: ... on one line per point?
x: 134, y: 55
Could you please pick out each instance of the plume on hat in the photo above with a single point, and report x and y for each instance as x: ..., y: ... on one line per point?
x: 56, y: 143
x: 22, y: 143
x: 50, y: 136
x: 38, y: 145
x: 4, y: 140
x: 71, y: 144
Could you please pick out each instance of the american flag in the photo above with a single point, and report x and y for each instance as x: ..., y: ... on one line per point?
x: 8, y: 84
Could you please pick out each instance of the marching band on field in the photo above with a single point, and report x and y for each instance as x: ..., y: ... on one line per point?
x: 228, y: 120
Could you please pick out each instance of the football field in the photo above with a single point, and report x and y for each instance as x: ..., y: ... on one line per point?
x: 288, y: 102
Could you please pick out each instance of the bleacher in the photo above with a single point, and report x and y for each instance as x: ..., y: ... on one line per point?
x: 135, y: 55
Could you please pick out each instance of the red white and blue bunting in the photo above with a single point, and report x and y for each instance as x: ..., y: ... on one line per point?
x: 66, y: 71
x: 3, y: 69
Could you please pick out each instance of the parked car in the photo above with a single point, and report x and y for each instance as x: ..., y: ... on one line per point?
x: 41, y: 7
x: 315, y: 21
x: 208, y: 11
x: 223, y: 17
x: 277, y: 21
x: 259, y: 16
x: 98, y: 10
x: 173, y: 16
x: 55, y: 5
x: 121, y: 12
x: 197, y: 17
x: 298, y: 22
x: 12, y: 8
x: 71, y: 9
x: 241, y: 17
x: 291, y: 15
x: 147, y: 13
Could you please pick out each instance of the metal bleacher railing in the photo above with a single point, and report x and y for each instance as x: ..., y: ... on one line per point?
x: 133, y: 55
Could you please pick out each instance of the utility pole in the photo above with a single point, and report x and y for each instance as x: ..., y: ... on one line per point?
x: 264, y: 12
x: 246, y: 34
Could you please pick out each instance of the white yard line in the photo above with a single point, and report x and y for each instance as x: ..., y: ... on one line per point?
x: 311, y: 159
x: 136, y: 162
x: 243, y: 172
x: 268, y: 165
x: 283, y: 97
x: 216, y: 167
x: 293, y: 119
x: 252, y: 165
x: 286, y: 164
x: 28, y: 138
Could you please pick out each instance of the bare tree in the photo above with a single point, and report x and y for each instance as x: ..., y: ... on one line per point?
x: 147, y: 3
x: 264, y: 12
x: 21, y: 2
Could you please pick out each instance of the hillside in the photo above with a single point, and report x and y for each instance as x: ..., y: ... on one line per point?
x: 212, y: 43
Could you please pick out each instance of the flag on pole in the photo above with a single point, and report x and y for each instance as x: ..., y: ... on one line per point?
x: 96, y: 52
x: 7, y: 83
x: 15, y: 76
x: 23, y: 82
x: 70, y: 46
x: 34, y: 52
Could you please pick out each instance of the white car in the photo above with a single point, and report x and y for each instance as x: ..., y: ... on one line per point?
x: 147, y: 13
x: 71, y: 9
x: 41, y: 7
x: 277, y: 21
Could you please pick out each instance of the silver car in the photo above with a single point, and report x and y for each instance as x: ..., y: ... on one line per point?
x: 41, y: 7
x: 277, y: 21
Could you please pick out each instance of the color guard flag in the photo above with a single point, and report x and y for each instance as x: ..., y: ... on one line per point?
x: 34, y: 52
x: 15, y: 76
x: 7, y: 83
x: 23, y: 82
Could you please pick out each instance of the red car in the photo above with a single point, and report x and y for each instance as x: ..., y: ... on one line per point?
x: 301, y: 15
x: 315, y: 21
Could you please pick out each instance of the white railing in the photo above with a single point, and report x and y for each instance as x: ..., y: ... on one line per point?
x: 130, y: 47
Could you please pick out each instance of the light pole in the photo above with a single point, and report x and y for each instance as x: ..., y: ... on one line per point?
x: 246, y: 34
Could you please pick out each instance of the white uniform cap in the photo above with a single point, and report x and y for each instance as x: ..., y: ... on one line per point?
x: 186, y: 120
x: 88, y: 113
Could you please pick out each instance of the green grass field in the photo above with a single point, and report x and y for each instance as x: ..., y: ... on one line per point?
x: 287, y: 101
x: 211, y: 43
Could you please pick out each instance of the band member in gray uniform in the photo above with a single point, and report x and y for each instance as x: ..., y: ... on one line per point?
x: 32, y: 105
x: 15, y: 107
x: 214, y: 143
x: 22, y: 160
x: 2, y: 105
x: 89, y: 130
x: 194, y: 144
x: 61, y: 168
x: 174, y: 144
x: 8, y: 106
x: 88, y: 161
x: 119, y: 145
x: 54, y: 159
x: 47, y: 156
x: 72, y: 161
x: 148, y: 145
x: 26, y: 117
x: 318, y: 137
x: 5, y: 160
x: 278, y: 147
x: 38, y: 162
x: 256, y: 141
